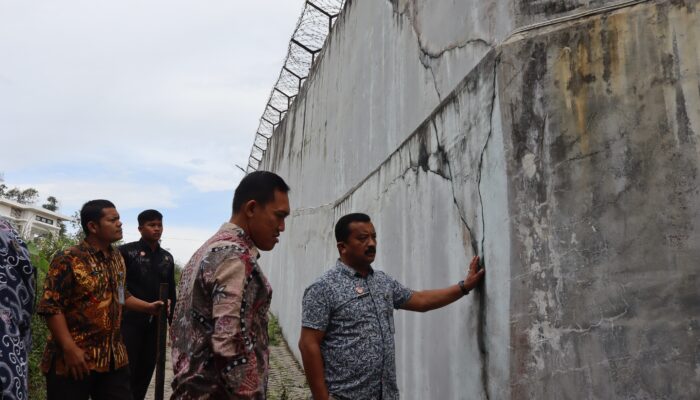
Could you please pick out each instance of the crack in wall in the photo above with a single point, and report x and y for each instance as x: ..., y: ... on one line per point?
x: 579, y: 157
x: 402, y: 177
x: 460, y: 212
x: 426, y: 56
x: 423, y: 163
x: 483, y: 151
x: 303, y: 134
x: 309, y: 210
x: 481, y: 322
x: 456, y: 46
x: 481, y: 332
x: 429, y: 67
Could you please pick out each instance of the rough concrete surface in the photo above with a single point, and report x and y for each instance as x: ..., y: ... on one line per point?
x: 603, y: 137
x: 287, y: 381
x: 565, y: 153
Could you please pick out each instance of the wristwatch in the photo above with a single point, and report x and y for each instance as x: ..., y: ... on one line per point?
x: 463, y: 288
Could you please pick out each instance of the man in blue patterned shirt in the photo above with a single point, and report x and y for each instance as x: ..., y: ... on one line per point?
x: 347, y: 334
x: 17, y: 287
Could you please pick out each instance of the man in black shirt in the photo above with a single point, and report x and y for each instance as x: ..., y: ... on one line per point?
x: 147, y: 266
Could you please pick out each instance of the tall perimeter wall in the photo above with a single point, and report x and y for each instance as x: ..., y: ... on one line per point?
x: 557, y: 138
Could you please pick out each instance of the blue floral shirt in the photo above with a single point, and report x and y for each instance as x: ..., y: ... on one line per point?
x: 357, y: 316
x: 17, y: 291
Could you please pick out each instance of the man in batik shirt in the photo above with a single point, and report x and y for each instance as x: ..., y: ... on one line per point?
x: 347, y: 334
x: 219, y: 331
x: 83, y: 297
x: 17, y: 277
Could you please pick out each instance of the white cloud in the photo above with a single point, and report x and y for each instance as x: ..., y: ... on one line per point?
x: 125, y: 195
x: 149, y: 104
x: 84, y: 78
x: 208, y: 167
x: 212, y: 183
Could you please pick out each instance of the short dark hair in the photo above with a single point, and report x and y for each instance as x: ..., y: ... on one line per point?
x: 342, y: 227
x: 92, y: 212
x: 259, y: 186
x: 148, y: 216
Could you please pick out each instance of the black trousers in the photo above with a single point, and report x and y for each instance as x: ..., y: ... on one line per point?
x: 140, y: 339
x: 112, y: 385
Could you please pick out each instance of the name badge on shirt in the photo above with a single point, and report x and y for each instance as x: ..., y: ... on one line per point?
x: 120, y: 294
x: 120, y: 289
x: 361, y: 292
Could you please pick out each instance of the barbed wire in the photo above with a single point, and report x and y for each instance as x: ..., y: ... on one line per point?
x: 313, y: 26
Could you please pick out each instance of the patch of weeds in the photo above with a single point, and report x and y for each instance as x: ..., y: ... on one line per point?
x: 274, y: 331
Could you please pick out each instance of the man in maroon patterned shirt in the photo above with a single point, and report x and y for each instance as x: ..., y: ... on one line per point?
x: 219, y: 330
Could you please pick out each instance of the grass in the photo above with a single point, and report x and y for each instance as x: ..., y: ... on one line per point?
x: 284, y: 383
x: 37, y: 383
x: 274, y: 331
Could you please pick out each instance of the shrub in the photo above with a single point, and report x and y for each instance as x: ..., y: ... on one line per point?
x: 37, y: 383
x: 42, y: 251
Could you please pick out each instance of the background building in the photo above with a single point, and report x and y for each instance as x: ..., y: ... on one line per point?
x: 30, y: 220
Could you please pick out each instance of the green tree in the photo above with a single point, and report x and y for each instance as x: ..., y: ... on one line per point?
x: 26, y: 196
x: 42, y: 250
x: 3, y: 187
x: 51, y: 204
x: 77, y: 227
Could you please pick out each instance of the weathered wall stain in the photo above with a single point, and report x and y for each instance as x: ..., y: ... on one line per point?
x: 548, y: 7
x: 610, y: 200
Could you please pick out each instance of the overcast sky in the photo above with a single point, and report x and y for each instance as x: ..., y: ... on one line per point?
x: 149, y: 104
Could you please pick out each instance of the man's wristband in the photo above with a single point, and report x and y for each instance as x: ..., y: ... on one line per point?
x: 463, y: 288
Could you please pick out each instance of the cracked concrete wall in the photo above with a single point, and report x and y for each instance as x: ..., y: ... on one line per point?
x: 566, y: 154
x: 430, y: 201
x: 402, y: 68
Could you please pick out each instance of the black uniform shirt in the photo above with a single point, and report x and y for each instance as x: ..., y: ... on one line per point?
x: 145, y: 271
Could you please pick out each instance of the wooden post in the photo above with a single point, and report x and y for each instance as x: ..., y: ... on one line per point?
x: 162, y: 340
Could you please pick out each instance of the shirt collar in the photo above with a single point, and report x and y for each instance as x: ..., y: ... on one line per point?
x: 238, y: 232
x: 85, y: 246
x: 349, y: 271
x: 145, y: 246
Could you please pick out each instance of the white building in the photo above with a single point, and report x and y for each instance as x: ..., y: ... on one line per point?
x: 31, y: 221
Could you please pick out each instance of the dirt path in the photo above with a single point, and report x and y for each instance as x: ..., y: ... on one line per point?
x: 287, y: 380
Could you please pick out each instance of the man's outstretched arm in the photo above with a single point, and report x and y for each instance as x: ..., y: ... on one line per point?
x: 426, y: 300
x: 310, y: 347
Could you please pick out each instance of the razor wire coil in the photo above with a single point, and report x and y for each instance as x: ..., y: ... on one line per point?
x: 308, y: 39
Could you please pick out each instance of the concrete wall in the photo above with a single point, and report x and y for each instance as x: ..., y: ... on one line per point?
x: 566, y: 154
x: 603, y: 181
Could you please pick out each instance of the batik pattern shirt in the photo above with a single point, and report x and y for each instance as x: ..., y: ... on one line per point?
x: 83, y: 285
x: 219, y: 331
x: 357, y: 316
x: 17, y: 290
